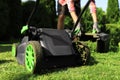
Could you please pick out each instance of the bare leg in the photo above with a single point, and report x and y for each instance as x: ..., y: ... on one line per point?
x: 75, y: 17
x: 94, y: 16
x: 60, y: 24
x: 95, y: 23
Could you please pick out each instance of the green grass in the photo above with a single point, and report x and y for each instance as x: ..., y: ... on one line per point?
x: 105, y: 66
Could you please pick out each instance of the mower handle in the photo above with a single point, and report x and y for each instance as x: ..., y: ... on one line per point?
x: 33, y: 11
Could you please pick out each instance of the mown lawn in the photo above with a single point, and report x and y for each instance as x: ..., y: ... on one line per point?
x: 103, y: 66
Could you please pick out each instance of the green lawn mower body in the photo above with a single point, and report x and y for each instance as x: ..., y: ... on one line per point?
x: 45, y: 48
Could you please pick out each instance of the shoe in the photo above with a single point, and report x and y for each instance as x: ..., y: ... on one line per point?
x: 94, y: 31
x: 95, y: 28
x: 77, y: 31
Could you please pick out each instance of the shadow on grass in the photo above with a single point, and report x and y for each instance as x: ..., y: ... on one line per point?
x: 5, y: 61
x: 27, y: 76
x: 92, y: 61
x: 5, y: 48
x: 64, y: 68
x: 22, y: 76
x: 52, y: 70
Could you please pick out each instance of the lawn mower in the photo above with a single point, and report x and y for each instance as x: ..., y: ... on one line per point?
x: 44, y: 48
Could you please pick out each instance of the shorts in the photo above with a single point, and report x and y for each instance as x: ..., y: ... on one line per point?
x: 64, y: 9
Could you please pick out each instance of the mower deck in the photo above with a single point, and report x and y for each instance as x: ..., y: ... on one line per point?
x: 102, y: 40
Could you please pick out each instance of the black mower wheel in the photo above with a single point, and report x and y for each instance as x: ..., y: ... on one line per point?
x: 33, y: 56
x: 83, y: 52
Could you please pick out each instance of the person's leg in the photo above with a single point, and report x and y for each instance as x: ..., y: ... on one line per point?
x: 75, y: 17
x: 94, y: 16
x: 62, y: 11
x: 60, y: 24
x: 72, y: 10
x: 93, y: 10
